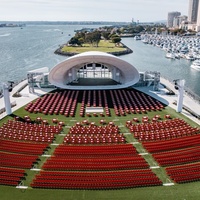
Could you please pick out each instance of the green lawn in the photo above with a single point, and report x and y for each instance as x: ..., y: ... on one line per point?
x: 187, y: 191
x: 104, y: 46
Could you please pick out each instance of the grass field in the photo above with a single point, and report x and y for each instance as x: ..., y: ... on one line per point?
x: 104, y: 46
x: 189, y: 191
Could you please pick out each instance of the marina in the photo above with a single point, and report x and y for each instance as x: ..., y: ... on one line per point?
x: 187, y: 47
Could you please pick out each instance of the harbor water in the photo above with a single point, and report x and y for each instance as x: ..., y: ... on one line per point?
x: 32, y: 47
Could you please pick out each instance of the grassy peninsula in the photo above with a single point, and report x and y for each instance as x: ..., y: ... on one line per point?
x: 104, y: 46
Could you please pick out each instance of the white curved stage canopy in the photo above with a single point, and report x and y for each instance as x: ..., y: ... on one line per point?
x: 93, y: 70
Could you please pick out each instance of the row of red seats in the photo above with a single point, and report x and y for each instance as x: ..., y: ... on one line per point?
x: 22, y: 147
x: 173, y: 170
x: 24, y: 126
x: 176, y: 143
x: 27, y: 137
x: 175, y: 157
x: 82, y: 109
x: 107, y: 109
x: 94, y: 135
x: 184, y: 173
x: 11, y: 176
x: 128, y: 159
x: 93, y: 140
x: 71, y: 105
x: 92, y: 183
x: 166, y: 134
x: 96, y: 150
x: 158, y: 125
x: 89, y: 174
x: 95, y: 167
x: 117, y: 110
x: 93, y: 129
x: 63, y: 102
x: 17, y: 160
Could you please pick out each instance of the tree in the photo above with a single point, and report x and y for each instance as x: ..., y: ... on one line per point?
x: 115, y: 39
x: 106, y: 35
x: 93, y: 38
x: 96, y: 38
x: 74, y: 41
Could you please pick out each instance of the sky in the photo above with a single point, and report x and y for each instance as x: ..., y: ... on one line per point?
x: 90, y: 10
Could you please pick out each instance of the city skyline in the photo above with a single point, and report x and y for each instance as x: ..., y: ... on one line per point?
x: 90, y: 10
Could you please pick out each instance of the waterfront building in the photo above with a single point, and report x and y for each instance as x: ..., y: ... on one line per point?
x: 178, y: 21
x: 193, y: 11
x: 170, y: 19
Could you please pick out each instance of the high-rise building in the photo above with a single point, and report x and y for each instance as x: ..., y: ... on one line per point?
x: 193, y: 11
x: 198, y: 19
x: 170, y: 19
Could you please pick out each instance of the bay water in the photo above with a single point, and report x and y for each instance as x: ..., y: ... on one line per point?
x: 33, y: 46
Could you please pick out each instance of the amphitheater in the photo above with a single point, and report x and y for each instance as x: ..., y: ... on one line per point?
x: 90, y: 133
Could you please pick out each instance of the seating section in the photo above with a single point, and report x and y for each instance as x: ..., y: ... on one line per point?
x: 92, y: 134
x: 95, y: 180
x: 32, y: 132
x: 161, y: 130
x: 22, y: 147
x: 173, y: 144
x: 184, y: 173
x: 98, y: 158
x: 15, y: 157
x: 180, y: 156
x: 21, y: 144
x: 123, y: 101
x: 132, y: 101
x: 17, y: 160
x: 179, y: 150
x: 95, y: 167
x: 11, y: 176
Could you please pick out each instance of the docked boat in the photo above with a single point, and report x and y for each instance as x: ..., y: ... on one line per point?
x: 170, y: 55
x: 189, y: 57
x: 195, y: 64
x: 137, y: 37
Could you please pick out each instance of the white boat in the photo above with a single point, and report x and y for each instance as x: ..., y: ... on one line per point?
x: 170, y: 55
x: 189, y: 56
x: 195, y: 64
x: 137, y: 37
x: 145, y: 41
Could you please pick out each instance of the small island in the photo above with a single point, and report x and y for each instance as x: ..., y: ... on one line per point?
x: 94, y: 41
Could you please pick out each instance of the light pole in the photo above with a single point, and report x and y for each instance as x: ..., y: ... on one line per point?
x: 6, y: 89
x: 179, y: 85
